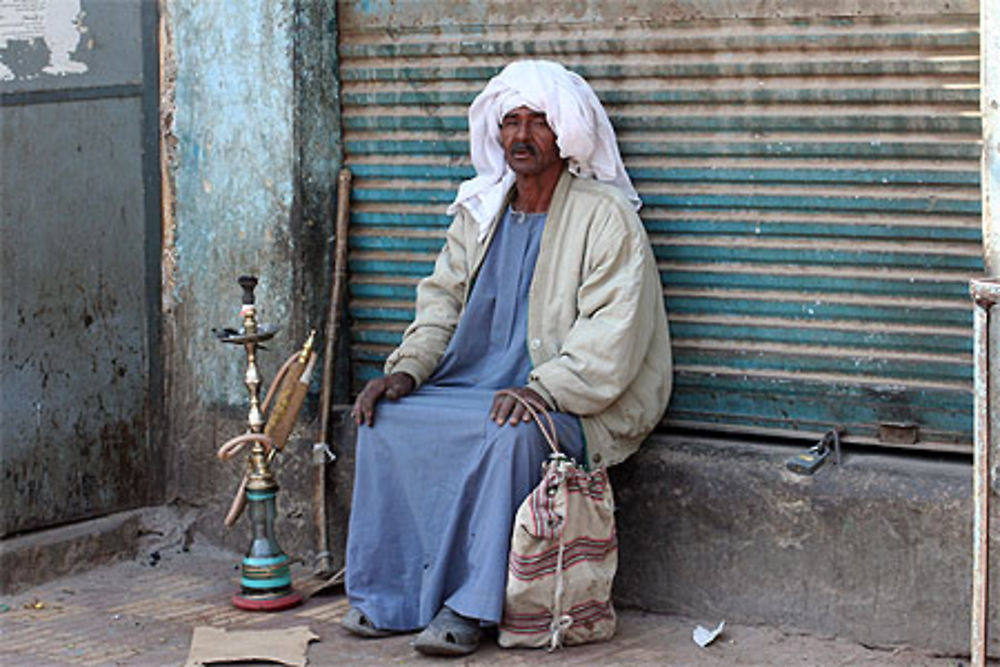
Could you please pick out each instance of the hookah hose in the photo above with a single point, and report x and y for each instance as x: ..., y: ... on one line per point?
x: 287, y: 398
x: 228, y: 450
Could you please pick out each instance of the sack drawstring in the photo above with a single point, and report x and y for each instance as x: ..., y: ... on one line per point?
x: 560, y: 622
x: 553, y: 439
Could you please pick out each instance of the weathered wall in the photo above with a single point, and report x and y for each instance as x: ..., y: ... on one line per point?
x: 989, y: 25
x: 877, y: 550
x: 250, y: 115
x: 78, y: 215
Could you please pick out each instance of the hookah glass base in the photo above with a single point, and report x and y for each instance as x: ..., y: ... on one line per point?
x: 266, y: 585
x: 266, y: 582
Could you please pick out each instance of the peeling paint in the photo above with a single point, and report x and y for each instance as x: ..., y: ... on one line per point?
x: 231, y: 132
x: 40, y: 37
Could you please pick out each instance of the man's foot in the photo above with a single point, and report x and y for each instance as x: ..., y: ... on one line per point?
x: 357, y: 623
x: 449, y: 634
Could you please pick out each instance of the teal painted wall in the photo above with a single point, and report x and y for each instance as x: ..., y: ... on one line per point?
x: 233, y: 170
x: 251, y: 114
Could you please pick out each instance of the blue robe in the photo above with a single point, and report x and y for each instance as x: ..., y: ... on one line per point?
x: 437, y: 483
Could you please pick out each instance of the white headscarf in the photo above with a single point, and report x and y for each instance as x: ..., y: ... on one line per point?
x: 583, y: 134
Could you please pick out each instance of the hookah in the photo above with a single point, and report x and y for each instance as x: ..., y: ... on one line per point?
x: 266, y: 581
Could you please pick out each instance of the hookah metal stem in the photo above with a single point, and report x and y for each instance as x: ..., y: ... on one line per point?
x: 252, y: 377
x: 255, y: 418
x: 260, y: 476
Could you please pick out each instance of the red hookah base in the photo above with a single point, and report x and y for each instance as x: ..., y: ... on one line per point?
x: 267, y: 604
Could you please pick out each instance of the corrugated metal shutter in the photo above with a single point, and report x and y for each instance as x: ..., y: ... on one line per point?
x: 811, y: 190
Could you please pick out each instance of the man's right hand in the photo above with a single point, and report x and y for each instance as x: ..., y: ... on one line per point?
x: 393, y: 386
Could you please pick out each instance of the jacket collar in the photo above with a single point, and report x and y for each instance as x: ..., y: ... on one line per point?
x: 555, y: 206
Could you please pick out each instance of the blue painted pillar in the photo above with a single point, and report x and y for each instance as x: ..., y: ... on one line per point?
x: 251, y: 149
x: 233, y: 173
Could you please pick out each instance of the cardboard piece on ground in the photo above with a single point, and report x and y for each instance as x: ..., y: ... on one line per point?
x: 287, y: 646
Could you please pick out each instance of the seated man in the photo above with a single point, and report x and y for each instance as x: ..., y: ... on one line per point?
x: 547, y: 286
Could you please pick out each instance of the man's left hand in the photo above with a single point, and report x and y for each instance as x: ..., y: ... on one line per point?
x: 507, y: 409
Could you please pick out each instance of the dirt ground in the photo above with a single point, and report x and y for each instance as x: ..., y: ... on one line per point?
x: 142, y: 612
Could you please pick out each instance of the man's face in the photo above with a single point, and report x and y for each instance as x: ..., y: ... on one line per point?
x: 529, y: 144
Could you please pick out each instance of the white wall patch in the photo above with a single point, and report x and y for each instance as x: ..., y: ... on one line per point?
x: 40, y: 36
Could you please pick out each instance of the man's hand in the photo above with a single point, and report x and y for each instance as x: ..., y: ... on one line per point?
x: 507, y: 409
x: 393, y: 386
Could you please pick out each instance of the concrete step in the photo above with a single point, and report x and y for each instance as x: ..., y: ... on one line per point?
x: 34, y: 558
x: 878, y: 549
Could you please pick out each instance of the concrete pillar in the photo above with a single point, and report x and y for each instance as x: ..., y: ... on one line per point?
x: 232, y: 163
x: 251, y: 150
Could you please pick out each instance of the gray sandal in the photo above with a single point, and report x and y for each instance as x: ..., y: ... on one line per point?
x: 449, y: 634
x: 357, y: 623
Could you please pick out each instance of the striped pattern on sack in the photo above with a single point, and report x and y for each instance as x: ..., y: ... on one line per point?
x: 593, y: 486
x: 546, y: 519
x: 585, y: 613
x: 582, y: 549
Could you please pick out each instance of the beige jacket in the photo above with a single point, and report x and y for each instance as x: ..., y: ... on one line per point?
x: 597, y: 329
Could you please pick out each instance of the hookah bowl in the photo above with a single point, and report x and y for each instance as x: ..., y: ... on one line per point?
x: 266, y: 581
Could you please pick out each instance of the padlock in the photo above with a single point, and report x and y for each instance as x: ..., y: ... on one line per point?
x: 809, y: 461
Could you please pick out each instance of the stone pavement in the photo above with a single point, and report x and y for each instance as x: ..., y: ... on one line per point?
x: 143, y: 611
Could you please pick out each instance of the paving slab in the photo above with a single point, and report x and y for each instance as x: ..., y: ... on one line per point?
x: 143, y: 611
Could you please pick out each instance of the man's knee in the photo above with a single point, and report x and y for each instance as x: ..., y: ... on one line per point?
x: 521, y: 440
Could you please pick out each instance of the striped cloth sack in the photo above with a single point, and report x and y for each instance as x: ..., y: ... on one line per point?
x: 563, y: 556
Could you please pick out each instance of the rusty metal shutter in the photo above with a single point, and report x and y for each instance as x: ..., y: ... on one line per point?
x: 811, y: 189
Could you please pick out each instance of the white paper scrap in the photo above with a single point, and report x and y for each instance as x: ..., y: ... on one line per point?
x: 703, y: 636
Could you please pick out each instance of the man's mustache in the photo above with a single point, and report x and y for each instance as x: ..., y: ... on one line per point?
x: 522, y: 146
